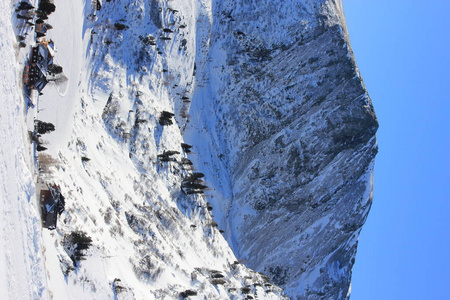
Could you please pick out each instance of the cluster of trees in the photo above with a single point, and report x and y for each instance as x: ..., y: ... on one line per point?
x: 75, y: 244
x: 40, y: 127
x: 166, y: 118
x: 167, y: 155
x: 188, y: 293
x: 43, y: 127
x: 192, y: 184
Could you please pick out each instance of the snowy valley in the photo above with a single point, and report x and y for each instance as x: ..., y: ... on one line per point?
x: 204, y: 149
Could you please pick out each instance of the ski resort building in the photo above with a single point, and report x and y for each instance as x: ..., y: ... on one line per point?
x: 35, y: 72
x: 51, y: 202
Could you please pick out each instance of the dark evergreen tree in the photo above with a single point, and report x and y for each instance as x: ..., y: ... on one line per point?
x: 186, y: 147
x: 24, y: 5
x: 55, y: 69
x: 75, y: 245
x: 40, y: 148
x: 166, y: 118
x: 44, y: 127
x: 46, y: 7
x: 120, y: 26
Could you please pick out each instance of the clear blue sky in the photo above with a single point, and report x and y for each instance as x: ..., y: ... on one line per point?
x: 402, y: 49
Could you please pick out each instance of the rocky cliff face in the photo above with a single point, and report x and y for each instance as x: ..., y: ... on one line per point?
x: 295, y: 129
x: 283, y: 141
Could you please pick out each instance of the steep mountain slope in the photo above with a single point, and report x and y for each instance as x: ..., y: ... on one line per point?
x: 282, y: 134
x: 294, y: 128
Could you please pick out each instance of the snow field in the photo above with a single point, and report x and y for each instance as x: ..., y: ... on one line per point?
x: 21, y: 261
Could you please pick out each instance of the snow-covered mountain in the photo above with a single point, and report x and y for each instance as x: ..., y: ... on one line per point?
x: 294, y: 129
x: 205, y: 149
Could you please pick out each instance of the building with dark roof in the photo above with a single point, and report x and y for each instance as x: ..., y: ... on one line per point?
x: 35, y: 73
x: 52, y: 204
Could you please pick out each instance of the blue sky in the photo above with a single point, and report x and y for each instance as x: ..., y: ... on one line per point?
x: 403, y: 51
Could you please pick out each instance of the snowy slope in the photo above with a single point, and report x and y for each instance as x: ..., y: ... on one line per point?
x: 149, y: 238
x: 21, y: 245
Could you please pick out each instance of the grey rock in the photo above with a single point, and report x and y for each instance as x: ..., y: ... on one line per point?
x: 296, y: 129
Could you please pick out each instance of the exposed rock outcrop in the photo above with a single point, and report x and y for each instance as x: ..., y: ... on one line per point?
x: 296, y: 132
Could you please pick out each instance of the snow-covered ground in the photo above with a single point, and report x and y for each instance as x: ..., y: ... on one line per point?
x: 149, y: 240
x: 22, y: 263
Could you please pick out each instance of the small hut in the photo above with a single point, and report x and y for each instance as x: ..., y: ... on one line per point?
x: 52, y: 204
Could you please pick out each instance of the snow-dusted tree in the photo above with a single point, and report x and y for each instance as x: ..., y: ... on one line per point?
x: 75, y: 245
